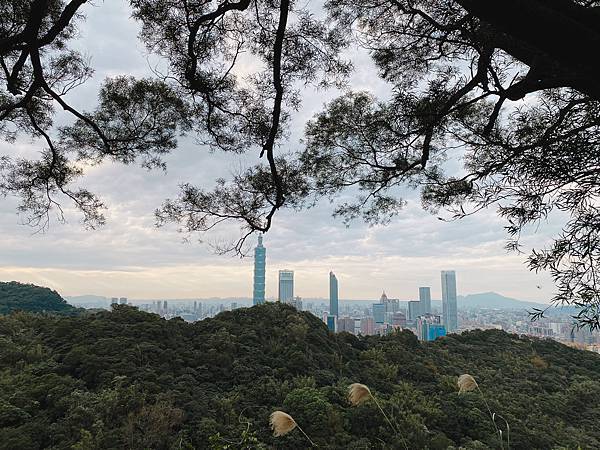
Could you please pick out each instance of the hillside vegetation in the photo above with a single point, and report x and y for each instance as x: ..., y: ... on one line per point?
x: 131, y: 380
x: 16, y: 296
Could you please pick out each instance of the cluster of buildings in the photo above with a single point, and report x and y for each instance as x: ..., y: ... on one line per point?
x: 428, y: 320
x: 558, y: 325
x: 383, y: 317
x: 286, y: 280
x: 390, y: 314
x: 190, y: 311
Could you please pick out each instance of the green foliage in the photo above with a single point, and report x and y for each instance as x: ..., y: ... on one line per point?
x: 16, y: 296
x: 128, y: 379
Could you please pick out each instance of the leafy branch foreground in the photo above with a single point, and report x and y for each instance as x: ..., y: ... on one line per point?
x: 129, y: 379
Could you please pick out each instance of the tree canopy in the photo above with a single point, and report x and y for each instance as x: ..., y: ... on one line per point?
x: 16, y: 296
x: 507, y: 89
x: 129, y: 379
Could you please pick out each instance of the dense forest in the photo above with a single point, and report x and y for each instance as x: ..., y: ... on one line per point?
x: 16, y: 296
x: 127, y: 379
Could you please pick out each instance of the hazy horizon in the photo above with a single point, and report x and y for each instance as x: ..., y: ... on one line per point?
x: 274, y: 299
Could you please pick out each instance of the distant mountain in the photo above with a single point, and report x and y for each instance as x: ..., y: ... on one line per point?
x: 494, y: 300
x: 16, y: 296
x: 80, y: 299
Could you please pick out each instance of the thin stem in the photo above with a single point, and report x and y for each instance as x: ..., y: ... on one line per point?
x: 507, y: 431
x: 492, y: 417
x: 306, y: 436
x: 390, y: 422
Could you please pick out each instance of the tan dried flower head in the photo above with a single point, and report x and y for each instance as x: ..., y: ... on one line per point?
x: 466, y: 383
x: 358, y: 393
x: 281, y: 423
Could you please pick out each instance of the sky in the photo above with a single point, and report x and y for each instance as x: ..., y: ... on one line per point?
x: 130, y: 257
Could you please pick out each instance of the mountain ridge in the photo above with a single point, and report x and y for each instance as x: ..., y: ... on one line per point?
x: 495, y: 300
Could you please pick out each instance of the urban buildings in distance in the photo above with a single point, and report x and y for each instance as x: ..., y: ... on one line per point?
x: 383, y: 317
x: 388, y: 315
x: 429, y: 327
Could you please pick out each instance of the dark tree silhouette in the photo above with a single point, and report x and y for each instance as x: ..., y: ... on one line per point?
x: 507, y: 89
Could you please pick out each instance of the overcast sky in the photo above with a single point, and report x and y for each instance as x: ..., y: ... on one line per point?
x: 130, y: 257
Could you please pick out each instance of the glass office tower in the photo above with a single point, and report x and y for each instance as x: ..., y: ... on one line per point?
x: 449, y: 312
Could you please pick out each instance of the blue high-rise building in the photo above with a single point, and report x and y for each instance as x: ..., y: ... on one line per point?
x: 333, y: 295
x: 379, y: 312
x: 449, y: 312
x: 260, y: 261
x: 331, y: 323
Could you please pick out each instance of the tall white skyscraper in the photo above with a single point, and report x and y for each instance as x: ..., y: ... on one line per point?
x: 449, y: 312
x: 286, y: 285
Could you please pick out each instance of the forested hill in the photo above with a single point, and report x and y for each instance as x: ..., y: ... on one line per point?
x: 131, y: 380
x: 16, y: 296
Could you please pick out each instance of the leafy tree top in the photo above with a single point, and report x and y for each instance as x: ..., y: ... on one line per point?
x: 16, y: 296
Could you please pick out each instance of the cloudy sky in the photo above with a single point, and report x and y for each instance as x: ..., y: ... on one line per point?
x: 130, y: 257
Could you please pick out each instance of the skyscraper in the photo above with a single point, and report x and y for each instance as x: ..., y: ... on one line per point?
x: 286, y: 285
x: 379, y: 313
x: 414, y: 310
x: 449, y: 300
x: 425, y: 299
x: 333, y: 295
x: 260, y: 257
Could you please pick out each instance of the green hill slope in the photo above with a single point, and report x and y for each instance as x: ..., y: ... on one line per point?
x: 128, y: 379
x: 16, y: 296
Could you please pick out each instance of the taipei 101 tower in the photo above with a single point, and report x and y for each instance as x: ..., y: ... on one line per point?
x: 260, y: 257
